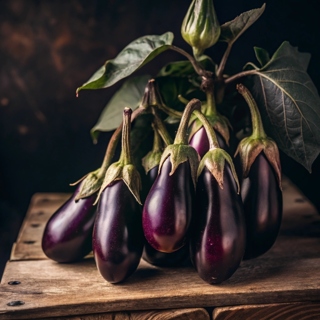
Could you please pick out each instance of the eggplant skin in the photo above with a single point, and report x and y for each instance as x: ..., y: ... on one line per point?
x: 68, y: 233
x: 200, y: 142
x: 162, y: 259
x: 218, y: 239
x: 117, y: 235
x: 167, y: 211
x: 262, y: 199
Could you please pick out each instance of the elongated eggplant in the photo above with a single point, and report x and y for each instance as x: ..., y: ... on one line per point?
x: 218, y: 238
x: 167, y: 211
x: 117, y: 236
x: 200, y: 141
x: 68, y: 233
x: 262, y: 199
x: 163, y: 259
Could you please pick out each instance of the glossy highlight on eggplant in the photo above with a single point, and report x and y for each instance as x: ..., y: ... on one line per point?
x: 117, y: 236
x: 262, y: 199
x: 167, y: 211
x: 218, y: 239
x: 68, y: 233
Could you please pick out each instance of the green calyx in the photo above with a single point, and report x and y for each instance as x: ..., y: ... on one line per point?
x: 91, y: 184
x: 178, y: 154
x: 126, y: 172
x: 214, y: 160
x: 200, y: 27
x: 124, y: 169
x: 249, y: 148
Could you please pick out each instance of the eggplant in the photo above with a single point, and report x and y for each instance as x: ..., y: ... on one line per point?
x: 218, y: 239
x: 262, y: 199
x: 117, y: 235
x: 162, y: 259
x: 200, y: 141
x: 68, y: 233
x: 167, y: 211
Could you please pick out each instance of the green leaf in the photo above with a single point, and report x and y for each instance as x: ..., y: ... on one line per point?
x: 232, y: 30
x: 184, y: 68
x: 289, y: 104
x: 262, y: 56
x: 131, y: 58
x: 129, y: 95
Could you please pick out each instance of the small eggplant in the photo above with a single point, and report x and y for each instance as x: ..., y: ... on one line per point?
x: 117, y: 236
x: 262, y: 199
x: 167, y: 210
x: 162, y: 259
x: 261, y: 184
x: 218, y: 238
x: 67, y: 235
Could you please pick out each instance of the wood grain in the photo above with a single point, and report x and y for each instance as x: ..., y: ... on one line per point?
x: 280, y: 311
x: 288, y: 273
x: 173, y: 314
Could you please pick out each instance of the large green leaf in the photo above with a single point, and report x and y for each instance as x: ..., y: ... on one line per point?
x: 289, y: 103
x: 232, y: 30
x: 130, y: 59
x: 129, y: 95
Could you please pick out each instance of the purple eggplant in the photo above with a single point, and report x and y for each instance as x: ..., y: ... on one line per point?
x: 218, y: 237
x: 262, y: 199
x: 67, y: 235
x: 200, y: 141
x: 117, y: 236
x: 163, y: 259
x: 167, y: 211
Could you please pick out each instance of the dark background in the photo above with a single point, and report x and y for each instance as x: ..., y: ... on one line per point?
x: 49, y: 48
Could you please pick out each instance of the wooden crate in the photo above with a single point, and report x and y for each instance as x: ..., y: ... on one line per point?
x: 282, y: 284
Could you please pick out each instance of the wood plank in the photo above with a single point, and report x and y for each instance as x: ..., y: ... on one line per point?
x: 173, y: 314
x: 287, y: 273
x: 28, y: 244
x: 279, y: 311
x: 51, y: 289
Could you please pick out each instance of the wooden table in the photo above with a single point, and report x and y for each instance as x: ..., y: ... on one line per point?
x: 282, y: 284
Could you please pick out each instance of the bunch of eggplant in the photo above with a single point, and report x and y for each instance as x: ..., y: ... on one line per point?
x: 193, y: 208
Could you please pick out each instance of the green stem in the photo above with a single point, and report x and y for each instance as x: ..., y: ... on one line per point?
x: 161, y: 128
x: 257, y: 126
x: 113, y: 142
x: 213, y: 142
x: 157, y: 140
x: 181, y: 136
x: 169, y: 111
x: 211, y: 109
x: 240, y: 75
x: 224, y: 61
x: 125, y: 156
x: 197, y: 67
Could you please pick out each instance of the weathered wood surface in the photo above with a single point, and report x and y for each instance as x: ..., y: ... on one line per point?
x: 279, y: 311
x: 287, y: 273
x: 173, y: 314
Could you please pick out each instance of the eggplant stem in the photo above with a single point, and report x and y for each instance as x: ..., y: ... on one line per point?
x: 125, y: 156
x: 257, y: 126
x: 160, y: 128
x: 113, y: 142
x: 181, y: 136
